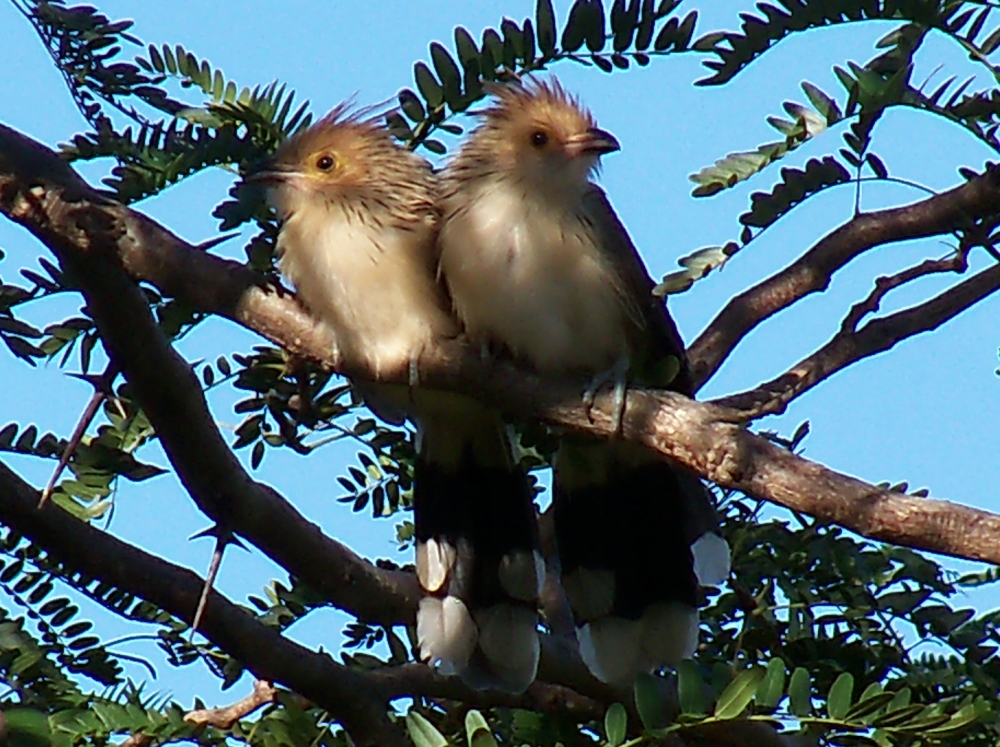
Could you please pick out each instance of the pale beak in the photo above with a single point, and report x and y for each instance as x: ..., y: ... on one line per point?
x: 593, y: 142
x: 268, y: 171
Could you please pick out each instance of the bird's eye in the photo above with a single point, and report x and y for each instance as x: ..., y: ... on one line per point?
x: 325, y: 162
x: 539, y: 139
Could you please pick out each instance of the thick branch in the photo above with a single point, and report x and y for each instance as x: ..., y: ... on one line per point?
x: 700, y: 436
x: 849, y: 346
x: 813, y: 271
x: 87, y: 234
x: 350, y: 696
x: 358, y: 698
x: 223, y: 717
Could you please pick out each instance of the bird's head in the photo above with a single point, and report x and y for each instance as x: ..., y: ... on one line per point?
x: 345, y: 159
x: 539, y: 133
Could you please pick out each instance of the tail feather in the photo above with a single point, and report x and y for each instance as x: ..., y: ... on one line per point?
x: 477, y: 557
x: 623, y: 522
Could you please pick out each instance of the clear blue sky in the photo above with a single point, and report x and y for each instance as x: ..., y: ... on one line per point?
x: 927, y: 412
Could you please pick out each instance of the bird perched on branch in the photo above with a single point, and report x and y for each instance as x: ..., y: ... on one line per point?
x: 536, y: 260
x: 357, y: 240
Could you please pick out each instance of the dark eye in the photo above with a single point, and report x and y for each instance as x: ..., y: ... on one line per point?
x: 325, y: 163
x: 539, y: 139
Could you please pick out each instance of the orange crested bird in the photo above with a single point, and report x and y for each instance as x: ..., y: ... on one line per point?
x: 537, y: 261
x: 357, y: 240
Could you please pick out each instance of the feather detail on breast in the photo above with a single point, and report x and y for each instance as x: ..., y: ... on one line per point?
x: 500, y: 246
x: 368, y: 284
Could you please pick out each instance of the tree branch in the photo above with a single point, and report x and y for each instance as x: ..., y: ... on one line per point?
x: 85, y: 232
x: 849, y: 346
x: 223, y: 717
x: 357, y: 701
x: 263, y: 694
x: 813, y: 271
x: 704, y: 437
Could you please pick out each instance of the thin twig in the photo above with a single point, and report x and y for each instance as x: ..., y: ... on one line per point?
x: 223, y: 717
x: 955, y: 209
x: 849, y: 345
x: 102, y: 390
x: 222, y: 538
x: 957, y: 263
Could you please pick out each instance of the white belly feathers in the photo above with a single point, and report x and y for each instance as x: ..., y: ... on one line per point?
x: 567, y: 315
x: 351, y: 279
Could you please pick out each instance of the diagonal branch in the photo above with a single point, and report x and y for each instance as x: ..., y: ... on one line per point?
x: 813, y: 271
x: 357, y: 699
x: 849, y: 346
x: 84, y: 231
x: 354, y: 699
x: 91, y: 235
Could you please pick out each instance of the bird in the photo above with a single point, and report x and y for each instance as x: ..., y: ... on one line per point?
x: 358, y: 224
x: 538, y: 264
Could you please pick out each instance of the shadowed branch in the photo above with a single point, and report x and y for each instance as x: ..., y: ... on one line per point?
x: 99, y: 239
x: 812, y: 272
x: 850, y: 345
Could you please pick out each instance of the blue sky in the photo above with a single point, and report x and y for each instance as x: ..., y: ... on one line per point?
x: 927, y: 412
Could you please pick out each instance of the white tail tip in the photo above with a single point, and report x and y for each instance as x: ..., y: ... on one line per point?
x: 446, y: 633
x: 711, y: 559
x: 615, y: 649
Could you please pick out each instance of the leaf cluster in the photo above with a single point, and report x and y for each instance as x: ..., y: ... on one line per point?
x: 819, y: 633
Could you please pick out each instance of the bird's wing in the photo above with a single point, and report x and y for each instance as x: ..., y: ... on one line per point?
x: 655, y: 335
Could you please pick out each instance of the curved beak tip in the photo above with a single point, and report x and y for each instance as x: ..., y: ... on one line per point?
x: 601, y: 141
x: 593, y: 142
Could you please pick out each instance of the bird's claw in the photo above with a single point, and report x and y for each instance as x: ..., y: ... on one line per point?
x: 616, y: 375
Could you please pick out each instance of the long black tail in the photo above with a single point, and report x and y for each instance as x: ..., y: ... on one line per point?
x: 478, y: 557
x: 626, y: 523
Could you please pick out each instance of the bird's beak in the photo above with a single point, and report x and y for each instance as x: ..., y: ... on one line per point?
x: 268, y: 172
x: 593, y: 142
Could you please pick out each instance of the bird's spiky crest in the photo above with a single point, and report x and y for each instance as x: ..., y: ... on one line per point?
x: 535, y: 99
x: 502, y: 142
x: 372, y: 167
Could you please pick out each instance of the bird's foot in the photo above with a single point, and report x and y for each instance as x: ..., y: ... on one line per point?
x: 617, y: 375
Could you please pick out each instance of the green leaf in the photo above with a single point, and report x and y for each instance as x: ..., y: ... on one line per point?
x: 824, y: 103
x: 7, y: 434
x: 877, y: 166
x: 737, y: 696
x: 545, y: 26
x: 595, y: 26
x: 27, y: 727
x: 435, y: 146
x: 428, y: 85
x: 691, y: 688
x: 422, y: 732
x: 448, y: 72
x: 575, y: 30
x: 868, y: 706
x: 901, y: 700
x: 991, y: 42
x: 477, y: 731
x: 838, y: 700
x: 959, y: 720
x: 650, y: 702
x: 615, y: 724
x: 896, y: 717
x: 696, y: 266
x: 772, y: 687
x: 800, y: 693
x: 468, y: 52
x: 156, y: 59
